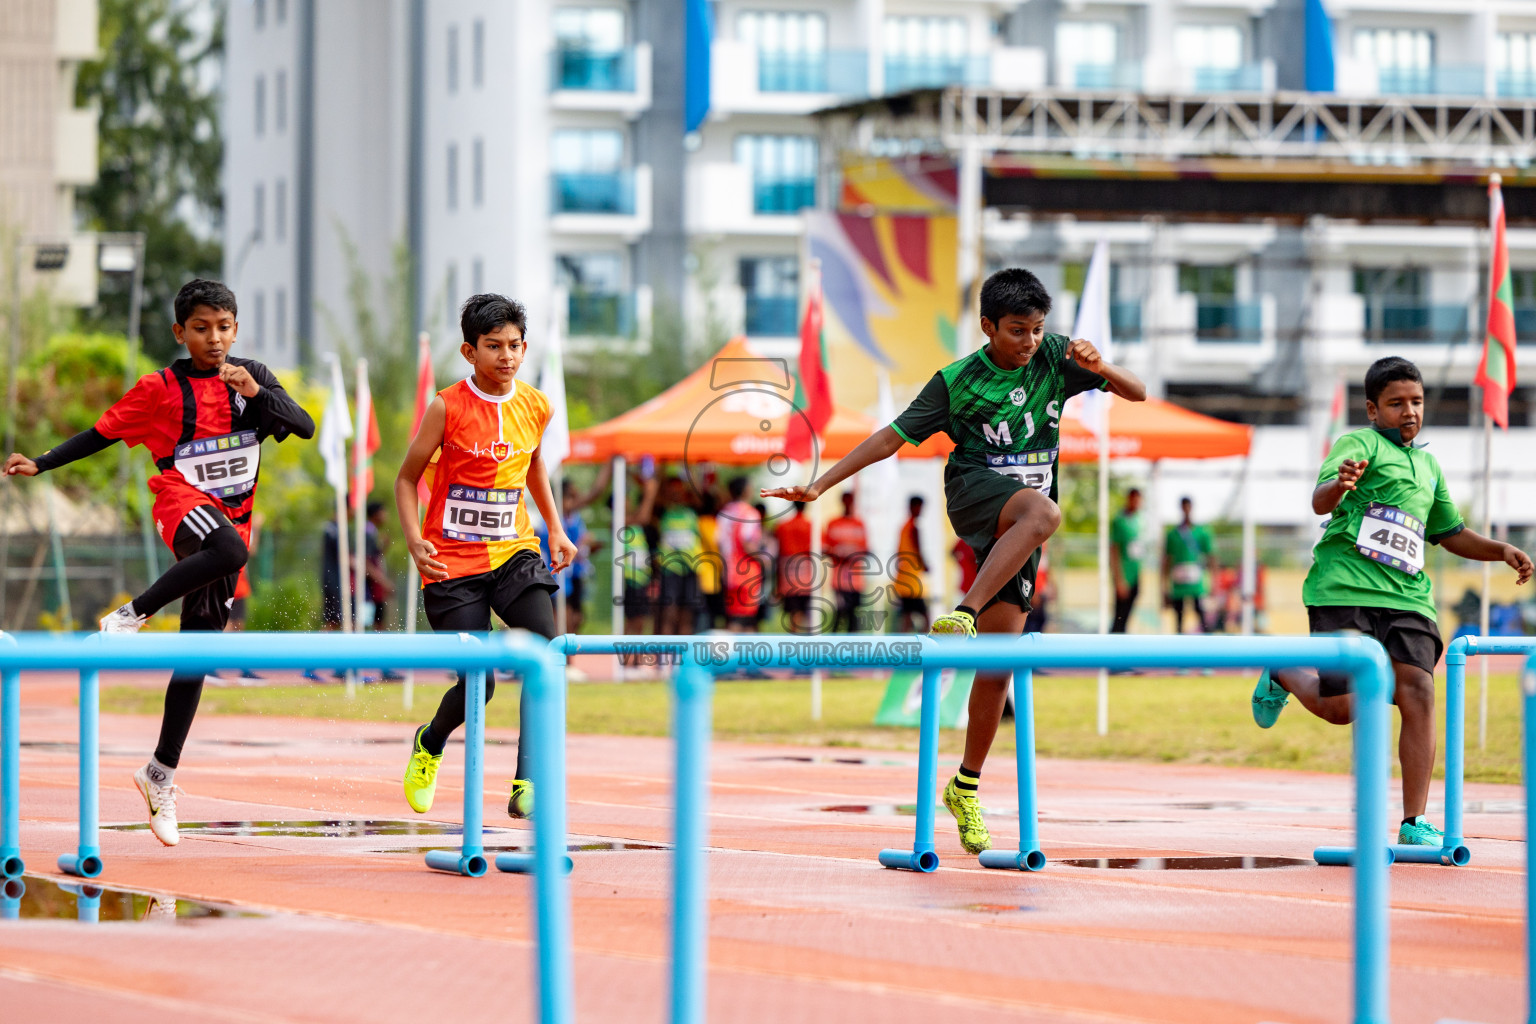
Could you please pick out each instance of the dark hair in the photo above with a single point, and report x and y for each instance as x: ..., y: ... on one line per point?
x: 916, y: 499
x: 737, y: 487
x: 1134, y: 492
x: 799, y: 508
x: 375, y: 506
x: 1187, y: 500
x: 481, y: 314
x: 202, y: 292
x: 1385, y: 371
x: 1013, y: 292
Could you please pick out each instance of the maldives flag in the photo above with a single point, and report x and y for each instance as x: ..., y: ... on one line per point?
x: 368, y: 430
x: 813, y: 386
x: 1496, y: 371
x: 426, y: 389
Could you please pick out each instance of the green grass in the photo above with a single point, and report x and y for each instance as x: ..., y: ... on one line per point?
x: 1170, y: 719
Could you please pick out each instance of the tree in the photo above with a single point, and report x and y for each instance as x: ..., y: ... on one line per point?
x: 161, y: 153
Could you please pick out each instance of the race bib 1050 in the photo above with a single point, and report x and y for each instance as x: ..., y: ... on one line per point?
x: 478, y: 514
x: 221, y: 466
x: 1392, y: 537
x: 1035, y: 470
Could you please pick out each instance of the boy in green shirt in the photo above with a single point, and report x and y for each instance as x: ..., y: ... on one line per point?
x: 1388, y: 500
x: 1188, y: 551
x: 1125, y: 554
x: 1001, y: 405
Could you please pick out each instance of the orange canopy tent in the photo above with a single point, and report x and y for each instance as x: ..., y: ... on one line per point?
x: 734, y: 410
x: 1153, y: 430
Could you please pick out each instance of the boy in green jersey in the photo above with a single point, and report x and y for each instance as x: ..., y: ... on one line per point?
x: 1388, y: 500
x: 1001, y: 405
x: 1188, y: 552
x: 1125, y: 554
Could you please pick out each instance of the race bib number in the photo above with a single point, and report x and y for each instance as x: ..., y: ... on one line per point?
x: 1035, y: 470
x: 1136, y: 550
x: 477, y: 514
x: 1392, y: 537
x: 678, y: 540
x: 1186, y: 573
x: 221, y: 466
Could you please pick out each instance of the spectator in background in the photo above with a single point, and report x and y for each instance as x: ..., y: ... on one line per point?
x: 1126, y: 551
x: 847, y: 545
x: 380, y: 587
x: 740, y: 537
x: 965, y: 558
x: 677, y: 559
x: 907, y: 585
x: 768, y: 564
x: 238, y: 605
x: 573, y: 579
x: 636, y: 554
x: 711, y: 571
x: 330, y: 579
x: 1189, y: 563
x: 796, y: 572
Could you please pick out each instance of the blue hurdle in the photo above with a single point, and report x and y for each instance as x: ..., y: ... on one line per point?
x: 1528, y: 688
x: 90, y: 654
x: 701, y: 659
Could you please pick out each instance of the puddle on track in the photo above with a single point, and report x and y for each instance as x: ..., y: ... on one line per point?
x: 1215, y: 863
x: 825, y: 759
x: 335, y: 828
x: 904, y: 810
x: 605, y: 846
x: 33, y: 898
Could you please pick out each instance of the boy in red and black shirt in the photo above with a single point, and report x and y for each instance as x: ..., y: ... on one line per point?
x: 203, y: 419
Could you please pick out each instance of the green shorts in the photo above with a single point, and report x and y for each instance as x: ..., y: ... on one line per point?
x: 974, y: 497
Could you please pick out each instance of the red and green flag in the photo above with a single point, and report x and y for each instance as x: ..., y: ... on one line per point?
x: 813, y: 385
x: 1496, y: 371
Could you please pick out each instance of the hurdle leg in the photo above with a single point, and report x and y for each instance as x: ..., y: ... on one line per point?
x: 470, y: 860
x: 690, y: 833
x: 551, y: 892
x: 86, y: 861
x: 1528, y: 742
x: 1372, y: 743
x: 11, y: 865
x: 1029, y: 857
x: 922, y: 856
x: 1455, y: 848
x: 11, y: 892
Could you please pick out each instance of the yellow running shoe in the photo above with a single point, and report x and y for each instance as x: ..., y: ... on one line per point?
x: 421, y: 775
x: 520, y: 803
x: 967, y: 811
x: 956, y: 623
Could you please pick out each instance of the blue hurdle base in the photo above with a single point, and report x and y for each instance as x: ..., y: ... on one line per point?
x: 85, y: 864
x: 925, y: 861
x: 1397, y: 853
x: 523, y: 863
x: 11, y: 864
x: 1013, y: 860
x: 457, y: 862
x: 1344, y: 856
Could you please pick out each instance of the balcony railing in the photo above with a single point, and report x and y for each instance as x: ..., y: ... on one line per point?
x: 1125, y: 75
x: 1418, y: 323
x: 600, y: 315
x: 1224, y: 321
x: 1437, y: 81
x: 916, y: 71
x: 1125, y: 320
x: 842, y: 73
x: 1520, y: 85
x: 1525, y: 323
x: 783, y: 195
x: 593, y: 192
x: 1243, y: 78
x: 772, y: 316
x: 594, y: 70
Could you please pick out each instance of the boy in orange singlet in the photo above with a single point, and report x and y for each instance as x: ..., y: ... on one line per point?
x: 479, y: 445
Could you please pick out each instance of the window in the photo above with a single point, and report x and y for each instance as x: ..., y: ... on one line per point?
x: 1216, y: 55
x: 451, y: 296
x: 590, y: 51
x: 280, y: 318
x: 783, y: 171
x: 1207, y: 281
x: 453, y: 59
x: 598, y: 150
x: 1524, y: 284
x: 1219, y: 315
x: 772, y: 288
x: 453, y: 176
x: 477, y: 173
x: 477, y: 53
x: 1088, y: 53
x: 791, y: 49
x: 280, y: 101
x: 260, y: 7
x: 261, y: 105
x: 259, y: 321
x: 477, y: 276
x: 1404, y: 58
x: 598, y: 303
x: 589, y: 174
x: 259, y: 213
x: 1514, y: 64
x: 280, y: 209
x: 1399, y: 307
x: 922, y: 52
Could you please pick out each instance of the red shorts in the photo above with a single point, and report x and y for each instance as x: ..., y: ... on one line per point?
x: 742, y: 599
x: 174, y: 498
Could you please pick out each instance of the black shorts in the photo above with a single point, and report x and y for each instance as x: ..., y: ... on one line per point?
x: 1409, y: 638
x: 207, y: 607
x: 679, y: 589
x: 637, y: 600
x: 912, y: 606
x: 974, y: 497
x: 449, y: 600
x: 577, y: 595
x: 796, y: 603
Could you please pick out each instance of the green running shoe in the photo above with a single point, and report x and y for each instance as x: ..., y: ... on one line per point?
x: 974, y: 836
x: 955, y: 623
x: 1269, y: 699
x: 1420, y: 832
x: 520, y: 803
x: 421, y: 775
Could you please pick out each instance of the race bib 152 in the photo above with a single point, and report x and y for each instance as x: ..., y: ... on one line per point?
x: 221, y: 466
x: 479, y: 514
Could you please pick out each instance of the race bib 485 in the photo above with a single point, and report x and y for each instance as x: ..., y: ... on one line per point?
x: 479, y: 514
x: 1392, y: 537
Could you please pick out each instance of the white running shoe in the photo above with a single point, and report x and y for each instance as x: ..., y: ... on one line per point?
x: 162, y: 806
x: 161, y: 908
x: 122, y: 621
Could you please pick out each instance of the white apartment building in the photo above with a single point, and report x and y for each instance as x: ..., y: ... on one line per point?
x: 537, y: 148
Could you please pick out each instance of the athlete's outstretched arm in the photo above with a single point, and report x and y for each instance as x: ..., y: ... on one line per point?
x: 1121, y: 381
x: 880, y: 445
x: 87, y: 442
x: 561, y: 551
x: 428, y: 439
x: 1484, y: 549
